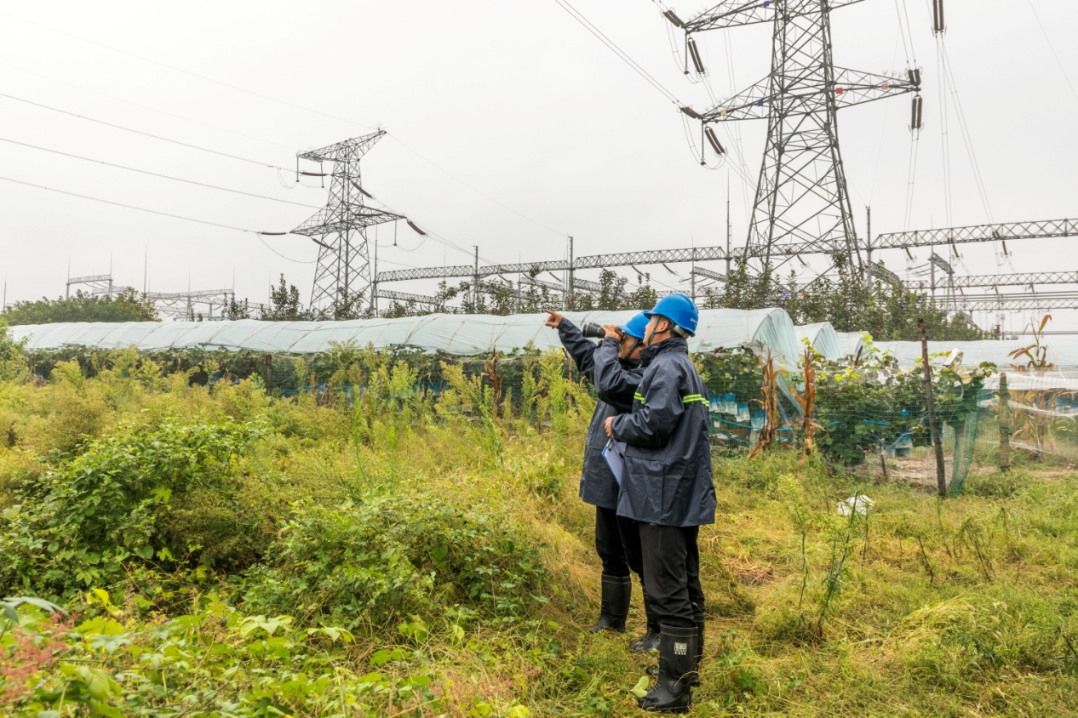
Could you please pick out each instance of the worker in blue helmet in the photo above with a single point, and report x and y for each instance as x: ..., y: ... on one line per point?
x: 667, y: 490
x: 598, y: 486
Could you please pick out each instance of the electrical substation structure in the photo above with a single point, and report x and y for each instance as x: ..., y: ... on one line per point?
x: 801, y: 205
x: 343, y: 273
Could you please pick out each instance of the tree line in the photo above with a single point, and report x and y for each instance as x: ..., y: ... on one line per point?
x: 889, y: 311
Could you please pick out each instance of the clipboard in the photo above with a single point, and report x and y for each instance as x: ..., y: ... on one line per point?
x: 614, y: 453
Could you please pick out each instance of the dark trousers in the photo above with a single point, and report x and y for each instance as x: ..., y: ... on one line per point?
x: 617, y: 541
x: 672, y: 573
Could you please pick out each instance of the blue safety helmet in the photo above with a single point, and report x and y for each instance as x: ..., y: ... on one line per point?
x: 680, y: 310
x: 636, y: 326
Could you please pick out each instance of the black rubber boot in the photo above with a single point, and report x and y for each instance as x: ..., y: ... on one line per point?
x: 614, y: 609
x: 698, y: 618
x: 677, y: 656
x: 650, y: 640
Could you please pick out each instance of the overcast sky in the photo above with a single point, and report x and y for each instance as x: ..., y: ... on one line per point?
x: 510, y: 127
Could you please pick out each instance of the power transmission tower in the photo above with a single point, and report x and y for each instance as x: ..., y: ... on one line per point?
x: 343, y: 274
x: 801, y: 196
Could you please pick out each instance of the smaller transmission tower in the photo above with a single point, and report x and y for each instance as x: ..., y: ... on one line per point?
x: 343, y: 273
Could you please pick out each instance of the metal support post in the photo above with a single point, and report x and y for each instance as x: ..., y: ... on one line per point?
x: 937, y: 439
x: 1004, y: 424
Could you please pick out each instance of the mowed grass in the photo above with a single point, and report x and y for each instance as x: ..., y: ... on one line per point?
x: 961, y: 607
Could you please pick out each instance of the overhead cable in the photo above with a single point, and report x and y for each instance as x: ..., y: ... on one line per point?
x: 157, y: 174
x: 144, y: 134
x: 185, y: 72
x: 575, y: 14
x: 280, y: 101
x: 157, y: 212
x: 1048, y: 40
x: 145, y: 107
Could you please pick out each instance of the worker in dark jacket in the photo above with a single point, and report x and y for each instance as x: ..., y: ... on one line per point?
x: 667, y: 489
x: 598, y: 486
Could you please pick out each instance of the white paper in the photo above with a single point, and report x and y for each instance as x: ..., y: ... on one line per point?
x: 614, y: 453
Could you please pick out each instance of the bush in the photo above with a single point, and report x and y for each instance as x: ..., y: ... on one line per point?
x: 79, y: 524
x: 372, y: 564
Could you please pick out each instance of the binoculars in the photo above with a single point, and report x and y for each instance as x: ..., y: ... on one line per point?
x: 592, y: 331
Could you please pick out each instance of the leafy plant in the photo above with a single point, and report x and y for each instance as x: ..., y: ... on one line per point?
x: 80, y: 524
x: 373, y: 564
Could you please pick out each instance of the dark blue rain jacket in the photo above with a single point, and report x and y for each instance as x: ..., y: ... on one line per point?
x: 615, y: 390
x: 667, y: 479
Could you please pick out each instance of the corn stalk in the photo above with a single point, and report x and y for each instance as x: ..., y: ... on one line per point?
x: 770, y: 402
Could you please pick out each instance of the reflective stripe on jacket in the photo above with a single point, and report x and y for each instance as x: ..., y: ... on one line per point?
x: 667, y: 478
x: 615, y: 390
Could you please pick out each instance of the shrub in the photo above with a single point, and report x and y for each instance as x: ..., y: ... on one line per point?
x: 78, y: 524
x: 375, y: 563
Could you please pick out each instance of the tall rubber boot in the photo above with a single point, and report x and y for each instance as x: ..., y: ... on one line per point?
x: 650, y: 640
x: 677, y: 656
x: 698, y: 619
x: 614, y: 607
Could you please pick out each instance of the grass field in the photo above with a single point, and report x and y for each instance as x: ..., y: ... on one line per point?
x: 220, y: 552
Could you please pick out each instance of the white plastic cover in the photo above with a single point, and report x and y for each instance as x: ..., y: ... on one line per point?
x: 458, y: 334
x: 823, y: 338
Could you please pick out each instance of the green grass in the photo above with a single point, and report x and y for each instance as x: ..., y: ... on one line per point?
x: 407, y: 558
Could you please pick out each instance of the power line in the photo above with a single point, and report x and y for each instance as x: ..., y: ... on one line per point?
x: 140, y: 132
x: 1052, y: 47
x: 156, y: 174
x: 185, y: 72
x: 280, y: 101
x: 187, y: 145
x: 575, y: 14
x: 145, y: 107
x: 479, y: 192
x: 157, y: 212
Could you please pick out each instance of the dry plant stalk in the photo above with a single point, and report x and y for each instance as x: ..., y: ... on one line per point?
x: 491, y: 372
x: 770, y: 402
x: 808, y: 403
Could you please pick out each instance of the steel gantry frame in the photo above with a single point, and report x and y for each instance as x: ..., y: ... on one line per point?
x: 900, y: 240
x: 183, y: 305
x: 343, y: 272
x: 98, y: 284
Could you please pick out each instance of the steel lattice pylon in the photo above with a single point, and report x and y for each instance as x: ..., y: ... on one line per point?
x: 343, y: 272
x: 801, y: 197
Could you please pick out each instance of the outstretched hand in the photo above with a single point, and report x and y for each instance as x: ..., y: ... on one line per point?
x: 554, y: 319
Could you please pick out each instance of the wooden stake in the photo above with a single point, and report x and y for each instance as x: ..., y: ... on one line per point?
x: 1004, y: 424
x: 937, y: 439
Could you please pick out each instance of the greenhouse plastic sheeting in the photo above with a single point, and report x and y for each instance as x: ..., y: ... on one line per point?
x: 850, y: 342
x: 823, y: 339
x: 1062, y: 351
x: 458, y: 334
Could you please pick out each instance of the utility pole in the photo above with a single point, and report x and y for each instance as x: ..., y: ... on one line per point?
x: 692, y: 272
x: 868, y: 243
x: 728, y: 226
x: 374, y: 277
x: 476, y: 279
x: 570, y: 294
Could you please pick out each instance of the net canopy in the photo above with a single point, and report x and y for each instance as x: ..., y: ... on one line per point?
x: 456, y: 334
